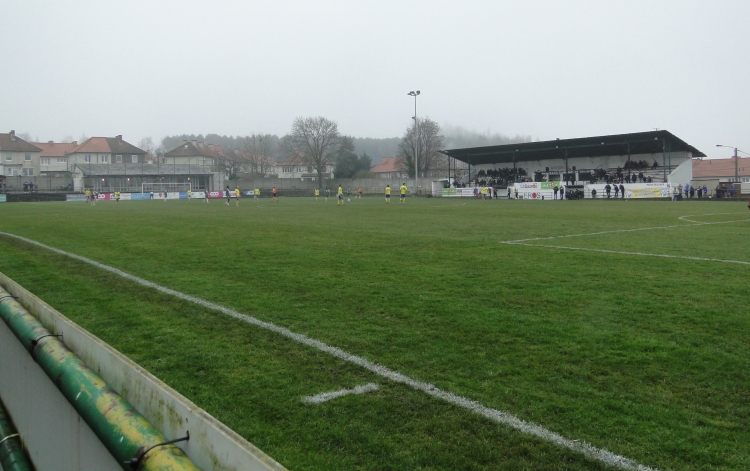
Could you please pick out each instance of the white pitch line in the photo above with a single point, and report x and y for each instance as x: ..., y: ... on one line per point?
x: 624, y: 230
x: 502, y: 417
x: 642, y: 254
x: 327, y: 396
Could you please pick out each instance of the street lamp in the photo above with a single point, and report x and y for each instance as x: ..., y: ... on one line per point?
x: 416, y: 138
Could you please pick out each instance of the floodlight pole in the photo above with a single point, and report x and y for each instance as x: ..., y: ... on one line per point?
x: 416, y: 140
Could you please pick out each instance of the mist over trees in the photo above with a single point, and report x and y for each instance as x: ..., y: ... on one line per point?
x: 227, y: 143
x: 348, y: 163
x: 373, y: 148
x: 425, y: 140
x: 315, y: 140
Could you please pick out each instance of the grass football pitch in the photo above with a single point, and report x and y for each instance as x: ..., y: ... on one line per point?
x: 575, y: 335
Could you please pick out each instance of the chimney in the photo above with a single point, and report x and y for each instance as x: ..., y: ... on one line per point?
x: 12, y: 135
x: 50, y: 142
x: 195, y: 142
x: 119, y: 137
x: 217, y: 148
x: 75, y: 143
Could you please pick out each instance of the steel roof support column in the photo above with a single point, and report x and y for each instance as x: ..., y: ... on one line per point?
x: 664, y: 158
x: 628, y: 144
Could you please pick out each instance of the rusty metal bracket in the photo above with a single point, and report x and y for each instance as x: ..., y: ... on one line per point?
x: 36, y: 341
x: 12, y: 435
x: 139, y: 457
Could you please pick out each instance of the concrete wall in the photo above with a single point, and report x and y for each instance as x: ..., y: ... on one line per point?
x: 212, y: 445
x: 54, y: 435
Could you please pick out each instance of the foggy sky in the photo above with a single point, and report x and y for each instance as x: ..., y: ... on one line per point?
x: 546, y: 69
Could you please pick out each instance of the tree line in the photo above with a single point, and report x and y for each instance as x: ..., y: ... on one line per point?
x: 318, y: 143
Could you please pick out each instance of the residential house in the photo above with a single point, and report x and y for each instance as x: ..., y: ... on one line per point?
x: 390, y: 169
x: 54, y: 156
x: 722, y: 173
x: 106, y: 150
x: 295, y: 166
x: 18, y: 158
x: 203, y: 156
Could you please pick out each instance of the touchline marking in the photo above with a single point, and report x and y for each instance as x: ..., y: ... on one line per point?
x: 495, y: 415
x: 327, y: 396
x: 626, y: 230
x: 642, y: 254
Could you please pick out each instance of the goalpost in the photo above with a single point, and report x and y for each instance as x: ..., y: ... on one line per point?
x: 158, y: 187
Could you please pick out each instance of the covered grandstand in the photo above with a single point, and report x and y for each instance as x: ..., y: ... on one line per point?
x: 653, y: 155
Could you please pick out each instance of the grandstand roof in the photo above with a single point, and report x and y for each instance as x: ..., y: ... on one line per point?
x: 651, y: 142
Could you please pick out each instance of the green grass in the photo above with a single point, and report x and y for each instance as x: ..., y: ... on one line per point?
x: 646, y: 357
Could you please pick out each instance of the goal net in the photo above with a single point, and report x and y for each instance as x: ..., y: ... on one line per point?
x: 162, y: 187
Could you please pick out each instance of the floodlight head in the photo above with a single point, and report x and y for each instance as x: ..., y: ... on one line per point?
x: 418, y: 92
x: 411, y: 93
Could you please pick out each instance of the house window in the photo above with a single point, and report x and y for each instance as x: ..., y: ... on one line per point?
x: 27, y: 157
x: 11, y: 172
x: 105, y: 159
x: 118, y: 159
x: 134, y: 159
x: 62, y: 160
x: 44, y: 160
x: 9, y: 157
x: 28, y: 172
x: 87, y: 158
x: 287, y: 169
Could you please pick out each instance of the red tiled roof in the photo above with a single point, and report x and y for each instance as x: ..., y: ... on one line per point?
x: 107, y: 145
x: 56, y: 149
x: 703, y: 168
x: 388, y: 165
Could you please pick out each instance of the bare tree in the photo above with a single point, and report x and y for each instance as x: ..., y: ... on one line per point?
x: 147, y: 144
x: 259, y: 148
x: 314, y: 140
x: 427, y: 142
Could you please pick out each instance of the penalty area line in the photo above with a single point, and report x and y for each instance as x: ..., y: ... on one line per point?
x: 640, y: 254
x: 498, y: 416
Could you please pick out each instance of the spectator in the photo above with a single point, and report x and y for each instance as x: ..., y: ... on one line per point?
x: 622, y: 190
x: 705, y: 191
x: 700, y: 192
x: 731, y: 190
x: 692, y: 191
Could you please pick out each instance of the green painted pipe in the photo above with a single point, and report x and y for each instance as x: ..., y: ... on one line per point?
x: 121, y: 428
x: 12, y: 455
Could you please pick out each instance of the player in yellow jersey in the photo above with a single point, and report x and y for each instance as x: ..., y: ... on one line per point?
x: 484, y: 193
x: 88, y: 196
x: 402, y: 190
x: 340, y: 196
x: 387, y: 194
x: 117, y: 198
x: 256, y: 194
x: 317, y: 193
x: 237, y: 196
x: 189, y: 194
